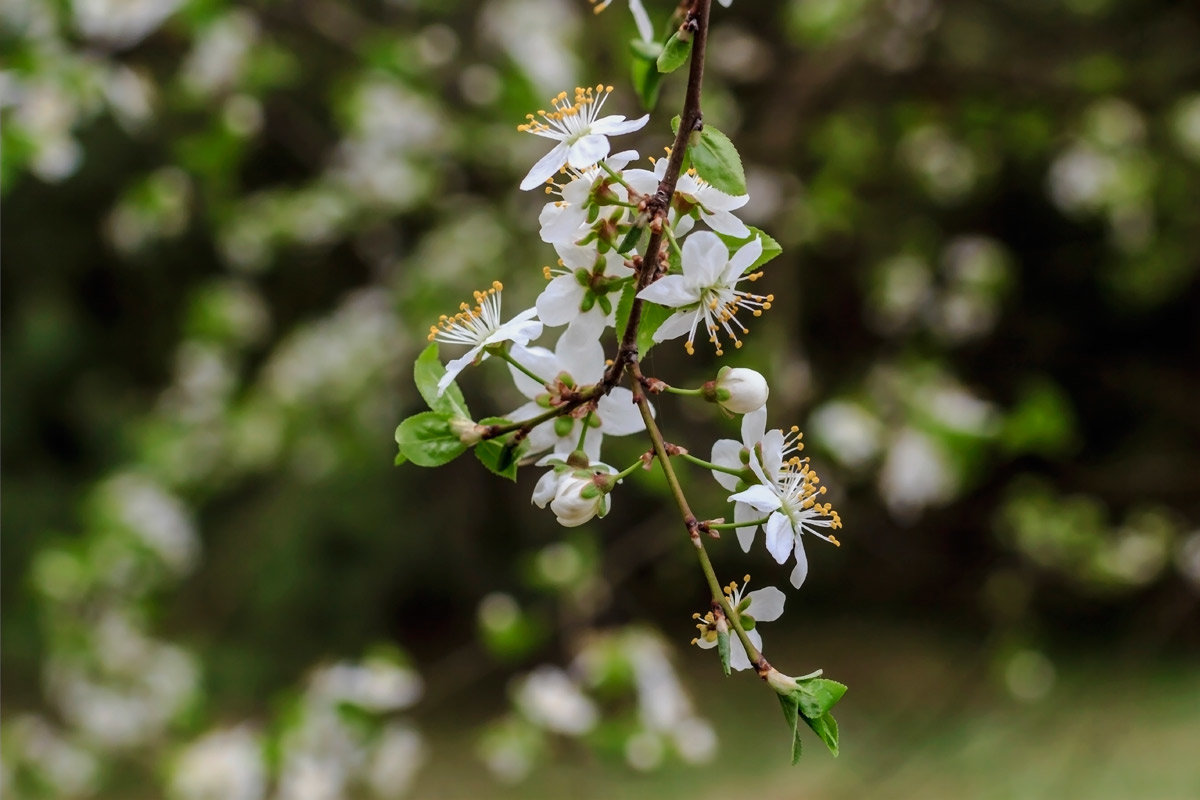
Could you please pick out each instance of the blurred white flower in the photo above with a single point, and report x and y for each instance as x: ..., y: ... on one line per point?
x: 549, y: 698
x: 375, y: 684
x: 224, y: 764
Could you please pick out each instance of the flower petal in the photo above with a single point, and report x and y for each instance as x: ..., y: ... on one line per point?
x: 545, y: 168
x: 726, y: 223
x: 672, y: 291
x: 704, y: 257
x: 543, y: 493
x: 456, y: 366
x: 540, y: 362
x: 559, y: 302
x: 758, y: 496
x: 766, y: 604
x: 587, y: 151
x: 616, y: 124
x: 677, y: 325
x: 726, y: 453
x: 744, y: 257
x: 801, y: 571
x: 779, y: 537
x: 737, y: 653
x: 582, y: 359
x: 618, y: 414
x: 754, y: 425
x: 745, y: 535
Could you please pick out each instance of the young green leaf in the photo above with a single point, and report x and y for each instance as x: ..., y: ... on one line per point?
x: 771, y: 248
x: 675, y: 53
x: 791, y: 714
x: 427, y: 372
x: 816, y: 696
x: 826, y: 727
x: 427, y: 441
x: 717, y: 160
x: 653, y: 316
x: 643, y: 70
x: 497, y: 455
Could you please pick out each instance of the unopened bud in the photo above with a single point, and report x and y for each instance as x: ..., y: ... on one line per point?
x: 738, y: 390
x: 467, y: 431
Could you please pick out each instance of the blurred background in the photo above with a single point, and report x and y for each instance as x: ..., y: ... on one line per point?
x: 227, y: 227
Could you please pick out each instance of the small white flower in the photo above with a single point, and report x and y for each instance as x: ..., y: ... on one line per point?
x: 565, y: 221
x: 707, y: 291
x: 694, y: 197
x: 582, y: 138
x: 582, y: 362
x: 789, y: 495
x: 480, y: 327
x: 761, y: 605
x: 581, y: 291
x: 739, y: 390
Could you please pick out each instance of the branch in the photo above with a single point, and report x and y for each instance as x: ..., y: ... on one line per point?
x: 690, y: 120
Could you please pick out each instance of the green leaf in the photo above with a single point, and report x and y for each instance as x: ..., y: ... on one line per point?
x: 791, y: 713
x: 401, y: 459
x: 498, y: 456
x: 675, y: 53
x: 427, y: 441
x: 826, y: 727
x: 771, y: 248
x: 653, y: 316
x: 643, y: 71
x: 427, y: 372
x: 717, y: 160
x: 817, y: 695
x: 723, y: 650
x: 624, y: 306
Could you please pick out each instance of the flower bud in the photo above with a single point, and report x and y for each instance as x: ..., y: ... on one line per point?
x: 578, y: 498
x: 467, y: 431
x: 738, y: 390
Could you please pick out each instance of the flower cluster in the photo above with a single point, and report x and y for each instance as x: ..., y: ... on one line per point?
x: 642, y: 257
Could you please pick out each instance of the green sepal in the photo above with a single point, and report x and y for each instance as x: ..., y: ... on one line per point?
x: 630, y: 240
x: 717, y: 160
x: 427, y: 441
x: 675, y: 53
x: 770, y: 247
x: 643, y: 71
x: 723, y: 651
x: 427, y: 371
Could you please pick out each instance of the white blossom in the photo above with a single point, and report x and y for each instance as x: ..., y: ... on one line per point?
x: 480, y: 327
x: 573, y: 493
x: 761, y: 605
x: 582, y: 362
x: 788, y: 493
x: 707, y: 291
x: 565, y: 221
x: 581, y: 135
x: 694, y: 197
x: 581, y: 291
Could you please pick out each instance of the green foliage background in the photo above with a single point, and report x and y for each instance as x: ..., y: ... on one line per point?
x: 224, y: 240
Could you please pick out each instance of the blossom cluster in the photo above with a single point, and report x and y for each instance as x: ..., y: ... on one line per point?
x: 603, y: 216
